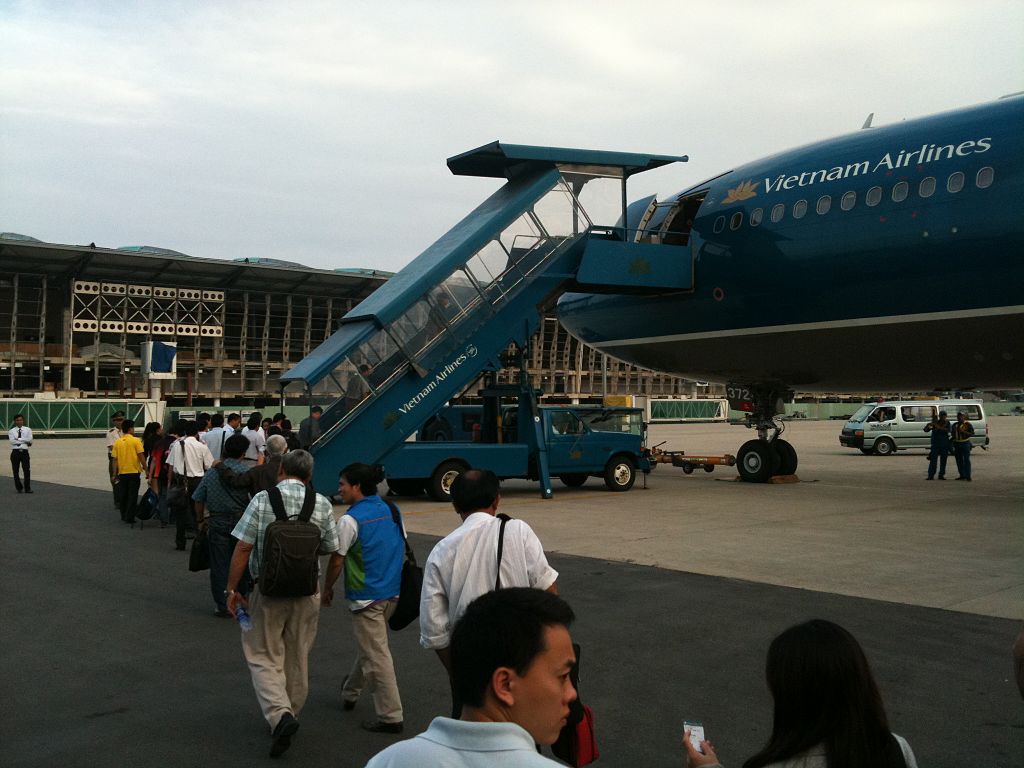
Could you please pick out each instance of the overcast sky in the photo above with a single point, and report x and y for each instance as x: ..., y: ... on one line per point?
x: 317, y: 131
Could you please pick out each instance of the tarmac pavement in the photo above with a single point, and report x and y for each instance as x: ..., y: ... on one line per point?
x: 113, y: 657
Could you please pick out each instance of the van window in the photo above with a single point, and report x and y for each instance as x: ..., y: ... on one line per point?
x: 956, y: 182
x: 719, y: 224
x: 873, y: 197
x: 861, y: 414
x: 824, y: 203
x: 799, y: 209
x: 973, y: 412
x: 927, y: 187
x: 899, y: 192
x: 921, y: 414
x: 984, y: 178
x: 755, y: 216
x: 883, y: 414
x: 778, y: 212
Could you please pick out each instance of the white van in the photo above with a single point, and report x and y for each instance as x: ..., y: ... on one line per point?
x: 886, y: 427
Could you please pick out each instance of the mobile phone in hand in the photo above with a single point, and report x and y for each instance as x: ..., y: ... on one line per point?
x: 696, y: 730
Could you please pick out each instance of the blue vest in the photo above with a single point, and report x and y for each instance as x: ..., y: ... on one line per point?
x: 373, y: 565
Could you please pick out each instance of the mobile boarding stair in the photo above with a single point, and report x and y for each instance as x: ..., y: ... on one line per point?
x: 434, y: 327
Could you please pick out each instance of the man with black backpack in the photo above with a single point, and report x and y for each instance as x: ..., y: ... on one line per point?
x: 280, y: 537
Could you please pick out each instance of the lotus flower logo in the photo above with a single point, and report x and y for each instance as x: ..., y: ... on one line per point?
x: 471, y: 351
x: 744, y: 191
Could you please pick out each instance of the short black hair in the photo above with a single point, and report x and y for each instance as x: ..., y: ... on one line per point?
x: 475, y: 489
x: 18, y: 416
x: 316, y: 409
x: 504, y: 628
x: 126, y: 425
x: 286, y: 424
x: 217, y: 420
x: 254, y: 420
x: 191, y: 428
x: 233, y: 416
x: 278, y: 416
x: 179, y: 427
x: 236, y: 446
x: 363, y: 475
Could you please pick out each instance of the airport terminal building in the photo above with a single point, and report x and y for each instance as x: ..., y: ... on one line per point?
x: 75, y: 318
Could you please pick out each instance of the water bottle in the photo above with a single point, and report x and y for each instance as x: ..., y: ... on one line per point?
x: 244, y: 621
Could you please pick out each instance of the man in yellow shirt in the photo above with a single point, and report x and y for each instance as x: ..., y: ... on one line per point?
x: 129, y: 462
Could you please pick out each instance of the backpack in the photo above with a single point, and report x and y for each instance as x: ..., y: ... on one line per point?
x: 289, y: 561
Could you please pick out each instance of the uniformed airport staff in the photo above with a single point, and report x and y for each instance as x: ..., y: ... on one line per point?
x: 21, y: 439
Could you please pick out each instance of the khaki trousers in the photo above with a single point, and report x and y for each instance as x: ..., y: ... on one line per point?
x: 373, y: 668
x: 277, y: 651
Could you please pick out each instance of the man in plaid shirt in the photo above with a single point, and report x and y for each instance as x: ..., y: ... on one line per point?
x: 283, y: 628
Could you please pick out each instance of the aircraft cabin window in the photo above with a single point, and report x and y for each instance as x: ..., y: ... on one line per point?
x: 719, y: 224
x: 736, y: 220
x: 778, y: 212
x: 899, y: 192
x: 848, y: 201
x: 927, y: 187
x: 755, y: 216
x: 985, y: 176
x: 799, y: 209
x: 873, y: 197
x: 824, y: 203
x: 955, y: 182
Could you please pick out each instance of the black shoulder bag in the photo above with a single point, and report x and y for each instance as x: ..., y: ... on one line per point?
x: 408, y: 607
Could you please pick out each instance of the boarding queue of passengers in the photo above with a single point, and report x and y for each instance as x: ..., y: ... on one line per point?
x: 496, y: 623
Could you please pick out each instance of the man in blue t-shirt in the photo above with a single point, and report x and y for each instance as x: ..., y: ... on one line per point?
x: 373, y: 546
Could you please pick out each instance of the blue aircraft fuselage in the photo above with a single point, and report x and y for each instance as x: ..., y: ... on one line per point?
x: 888, y: 259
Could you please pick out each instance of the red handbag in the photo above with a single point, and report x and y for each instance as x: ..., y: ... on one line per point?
x: 577, y: 744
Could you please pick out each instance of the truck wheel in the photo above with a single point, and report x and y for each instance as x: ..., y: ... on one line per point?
x: 709, y: 467
x: 756, y: 461
x: 439, y: 486
x: 406, y: 487
x: 620, y: 473
x: 574, y: 480
x: 687, y: 468
x: 787, y: 457
x: 885, y: 446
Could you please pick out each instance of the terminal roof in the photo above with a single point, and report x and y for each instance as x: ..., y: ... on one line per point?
x: 503, y: 161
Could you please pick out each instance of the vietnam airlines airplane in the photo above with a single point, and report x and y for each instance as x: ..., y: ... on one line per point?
x: 887, y: 259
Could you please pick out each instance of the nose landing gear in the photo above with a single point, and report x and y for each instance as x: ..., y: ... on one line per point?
x: 767, y: 456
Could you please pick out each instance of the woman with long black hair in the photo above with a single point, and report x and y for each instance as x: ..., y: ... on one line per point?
x: 828, y: 711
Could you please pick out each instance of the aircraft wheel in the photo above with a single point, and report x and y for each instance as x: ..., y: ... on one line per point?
x: 787, y: 457
x: 574, y: 480
x: 620, y: 473
x: 756, y: 461
x: 406, y: 487
x: 439, y: 486
x: 885, y: 446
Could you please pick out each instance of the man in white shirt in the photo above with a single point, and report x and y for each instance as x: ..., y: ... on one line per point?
x: 216, y: 435
x: 113, y: 435
x: 511, y: 657
x: 21, y: 438
x: 464, y: 564
x: 189, y: 459
x: 256, y: 437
